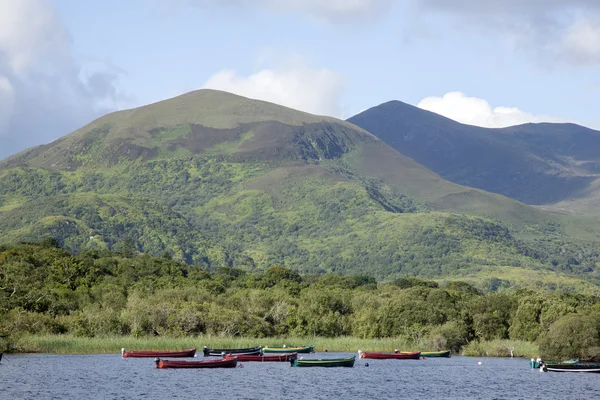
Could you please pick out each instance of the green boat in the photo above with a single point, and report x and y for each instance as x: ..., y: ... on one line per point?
x: 324, y: 362
x: 299, y: 349
x: 537, y: 363
x: 445, y: 353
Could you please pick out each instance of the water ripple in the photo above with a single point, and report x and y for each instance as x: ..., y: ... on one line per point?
x: 41, y: 376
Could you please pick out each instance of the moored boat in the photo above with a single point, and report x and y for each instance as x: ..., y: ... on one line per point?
x: 219, y: 352
x: 0, y: 356
x: 261, y: 358
x: 576, y: 367
x: 324, y: 362
x: 154, y: 354
x: 445, y: 353
x: 538, y: 362
x: 298, y: 349
x: 222, y: 363
x: 415, y: 355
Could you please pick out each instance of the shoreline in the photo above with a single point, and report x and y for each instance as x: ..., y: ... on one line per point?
x: 68, y: 344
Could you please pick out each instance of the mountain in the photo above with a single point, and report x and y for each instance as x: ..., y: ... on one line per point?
x: 538, y: 164
x: 219, y: 180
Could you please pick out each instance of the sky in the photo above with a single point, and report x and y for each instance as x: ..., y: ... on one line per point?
x: 490, y: 63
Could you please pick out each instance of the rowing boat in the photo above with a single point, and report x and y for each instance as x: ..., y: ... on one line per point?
x: 299, y: 349
x: 324, y: 362
x: 590, y: 368
x: 221, y: 363
x: 390, y: 356
x: 260, y: 358
x: 537, y: 363
x: 154, y: 354
x: 219, y: 352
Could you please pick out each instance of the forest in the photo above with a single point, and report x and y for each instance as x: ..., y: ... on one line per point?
x: 212, y: 213
x: 46, y: 290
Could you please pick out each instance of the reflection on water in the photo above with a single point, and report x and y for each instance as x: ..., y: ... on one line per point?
x: 42, y: 376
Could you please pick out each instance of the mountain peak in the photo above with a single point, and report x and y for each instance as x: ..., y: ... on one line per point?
x: 398, y: 110
x: 538, y: 164
x: 220, y: 109
x: 204, y: 121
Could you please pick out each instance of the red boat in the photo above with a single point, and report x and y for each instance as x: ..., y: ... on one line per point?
x: 151, y: 353
x: 391, y: 356
x: 222, y: 363
x: 269, y: 358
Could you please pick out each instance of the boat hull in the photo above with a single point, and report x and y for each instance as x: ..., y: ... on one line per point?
x: 260, y: 358
x: 391, y: 356
x: 280, y: 350
x: 222, y: 363
x: 154, y: 354
x: 328, y: 363
x: 208, y: 352
x: 430, y: 354
x: 589, y: 368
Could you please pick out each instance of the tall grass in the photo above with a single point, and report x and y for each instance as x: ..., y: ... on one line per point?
x: 501, y: 348
x: 67, y: 344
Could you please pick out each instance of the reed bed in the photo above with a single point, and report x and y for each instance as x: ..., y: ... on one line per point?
x: 68, y: 344
x: 501, y: 348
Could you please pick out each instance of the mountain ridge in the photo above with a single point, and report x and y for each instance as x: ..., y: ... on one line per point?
x: 287, y: 188
x: 539, y: 164
x: 219, y: 111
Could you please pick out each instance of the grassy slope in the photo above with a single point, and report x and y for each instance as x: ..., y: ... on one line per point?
x: 584, y: 203
x: 210, y: 108
x: 407, y: 176
x: 344, y: 202
x: 528, y: 278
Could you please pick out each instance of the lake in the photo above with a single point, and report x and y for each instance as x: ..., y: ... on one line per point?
x: 42, y: 376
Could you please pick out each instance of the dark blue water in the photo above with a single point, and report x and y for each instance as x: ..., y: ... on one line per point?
x: 112, y: 377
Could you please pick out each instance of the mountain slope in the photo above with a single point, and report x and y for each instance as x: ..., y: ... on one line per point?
x: 220, y: 180
x: 533, y: 163
x: 194, y: 123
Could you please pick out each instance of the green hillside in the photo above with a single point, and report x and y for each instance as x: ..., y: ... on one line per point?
x: 585, y: 203
x: 215, y: 179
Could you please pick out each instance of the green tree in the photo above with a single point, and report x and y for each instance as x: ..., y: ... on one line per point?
x: 573, y: 335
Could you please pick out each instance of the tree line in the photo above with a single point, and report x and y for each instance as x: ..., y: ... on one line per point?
x: 44, y: 289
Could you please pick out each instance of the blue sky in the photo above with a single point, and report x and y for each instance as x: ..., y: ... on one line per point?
x: 489, y: 63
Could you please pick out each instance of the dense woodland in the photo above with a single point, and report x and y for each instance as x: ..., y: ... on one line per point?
x: 213, y: 213
x: 44, y: 289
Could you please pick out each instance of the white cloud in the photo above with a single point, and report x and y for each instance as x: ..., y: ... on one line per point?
x: 564, y: 30
x: 43, y: 92
x: 331, y: 11
x: 7, y: 104
x: 476, y: 111
x: 316, y: 91
x: 30, y: 30
x: 582, y: 40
